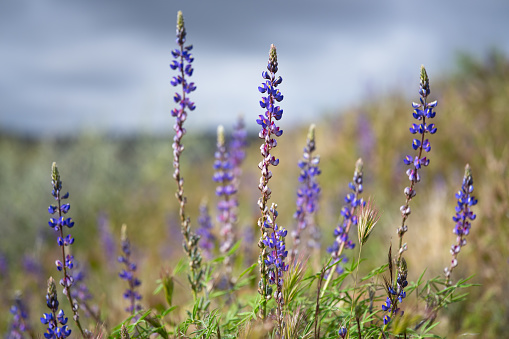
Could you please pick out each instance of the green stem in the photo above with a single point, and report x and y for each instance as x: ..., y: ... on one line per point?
x: 355, y: 284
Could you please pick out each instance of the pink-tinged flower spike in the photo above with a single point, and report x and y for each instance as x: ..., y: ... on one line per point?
x: 308, y: 194
x: 183, y: 64
x: 269, y: 130
x: 58, y: 224
x: 422, y: 111
x: 463, y: 218
x: 223, y: 176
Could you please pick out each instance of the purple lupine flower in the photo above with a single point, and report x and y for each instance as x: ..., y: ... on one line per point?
x: 182, y: 63
x: 223, y: 176
x: 237, y: 147
x: 237, y: 152
x: 275, y: 260
x: 32, y: 266
x: 422, y: 111
x: 269, y: 130
x: 348, y: 212
x: 19, y: 324
x: 463, y: 218
x: 342, y: 332
x: 365, y: 136
x: 308, y: 194
x: 82, y: 294
x: 395, y: 290
x: 58, y: 224
x: 207, y: 239
x: 128, y: 274
x: 107, y: 239
x: 56, y: 320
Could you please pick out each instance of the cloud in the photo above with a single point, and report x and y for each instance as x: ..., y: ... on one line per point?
x: 104, y: 65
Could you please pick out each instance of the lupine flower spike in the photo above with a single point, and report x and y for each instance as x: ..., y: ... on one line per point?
x: 395, y: 290
x: 307, y: 194
x: 128, y: 274
x: 422, y: 111
x: 269, y: 130
x: 349, y: 214
x: 82, y: 295
x: 207, y: 239
x: 183, y: 64
x: 58, y: 224
x: 237, y: 145
x: 237, y: 151
x: 107, y: 239
x: 55, y: 320
x: 276, y: 255
x: 19, y: 325
x: 463, y: 218
x: 223, y: 176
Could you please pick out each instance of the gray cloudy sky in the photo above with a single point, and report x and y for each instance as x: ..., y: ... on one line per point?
x: 68, y: 66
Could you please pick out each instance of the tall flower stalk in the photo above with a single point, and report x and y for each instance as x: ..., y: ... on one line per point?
x: 207, y: 239
x: 395, y: 290
x: 183, y: 64
x: 422, y: 111
x: 82, y: 295
x: 128, y: 274
x: 276, y: 266
x: 225, y: 189
x: 237, y: 152
x: 269, y: 130
x: 67, y: 263
x: 463, y: 218
x: 19, y: 326
x: 349, y: 213
x: 307, y: 194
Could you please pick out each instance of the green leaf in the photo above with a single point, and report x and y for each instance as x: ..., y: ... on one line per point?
x: 167, y: 311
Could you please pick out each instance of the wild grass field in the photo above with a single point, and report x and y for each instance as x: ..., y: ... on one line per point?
x: 128, y: 180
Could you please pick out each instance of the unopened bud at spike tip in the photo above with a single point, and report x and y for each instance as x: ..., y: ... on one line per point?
x: 311, y: 133
x: 180, y: 21
x: 358, y: 165
x: 220, y: 136
x: 123, y: 232
x: 468, y: 171
x: 424, y: 75
x: 273, y: 54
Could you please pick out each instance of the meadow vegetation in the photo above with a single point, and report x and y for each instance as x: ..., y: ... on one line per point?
x: 128, y: 181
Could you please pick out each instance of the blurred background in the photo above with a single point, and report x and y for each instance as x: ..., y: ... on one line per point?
x: 88, y: 85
